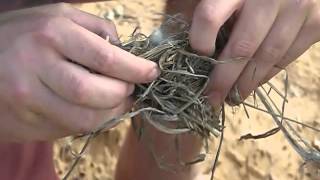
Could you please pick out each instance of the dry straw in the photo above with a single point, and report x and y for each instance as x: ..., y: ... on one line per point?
x: 175, y: 103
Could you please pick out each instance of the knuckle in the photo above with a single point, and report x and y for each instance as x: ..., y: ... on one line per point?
x: 21, y: 93
x: 208, y: 14
x: 242, y: 48
x: 45, y: 30
x: 79, y: 90
x: 104, y: 60
x: 271, y: 53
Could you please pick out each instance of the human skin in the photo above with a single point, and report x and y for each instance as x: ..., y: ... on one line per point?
x: 47, y: 91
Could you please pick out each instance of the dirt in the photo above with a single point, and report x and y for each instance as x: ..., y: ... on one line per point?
x: 271, y: 158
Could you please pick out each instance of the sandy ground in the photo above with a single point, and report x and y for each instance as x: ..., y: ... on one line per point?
x: 270, y: 159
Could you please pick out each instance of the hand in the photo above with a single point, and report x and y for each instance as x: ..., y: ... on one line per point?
x: 268, y: 35
x: 46, y: 88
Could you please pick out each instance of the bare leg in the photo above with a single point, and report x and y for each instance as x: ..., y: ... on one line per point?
x: 136, y: 162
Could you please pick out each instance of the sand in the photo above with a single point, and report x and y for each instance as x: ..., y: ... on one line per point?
x: 271, y: 158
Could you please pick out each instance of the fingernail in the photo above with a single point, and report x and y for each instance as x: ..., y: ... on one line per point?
x: 130, y: 89
x: 213, y: 50
x: 234, y: 97
x: 154, y: 73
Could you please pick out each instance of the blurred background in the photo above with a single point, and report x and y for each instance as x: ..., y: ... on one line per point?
x: 272, y: 158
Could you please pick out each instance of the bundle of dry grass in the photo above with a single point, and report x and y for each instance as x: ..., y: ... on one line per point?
x: 178, y: 92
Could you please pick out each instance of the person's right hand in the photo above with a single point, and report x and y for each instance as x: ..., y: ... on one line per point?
x: 267, y: 36
x: 46, y: 89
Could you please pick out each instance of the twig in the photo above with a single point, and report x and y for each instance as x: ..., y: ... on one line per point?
x: 220, y: 144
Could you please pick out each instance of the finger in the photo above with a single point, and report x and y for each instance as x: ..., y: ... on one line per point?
x: 306, y: 38
x: 95, y: 24
x: 255, y: 21
x: 208, y: 17
x: 79, y: 86
x: 69, y: 117
x: 274, y: 47
x: 88, y: 49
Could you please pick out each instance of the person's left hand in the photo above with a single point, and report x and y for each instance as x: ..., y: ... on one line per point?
x: 268, y: 34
